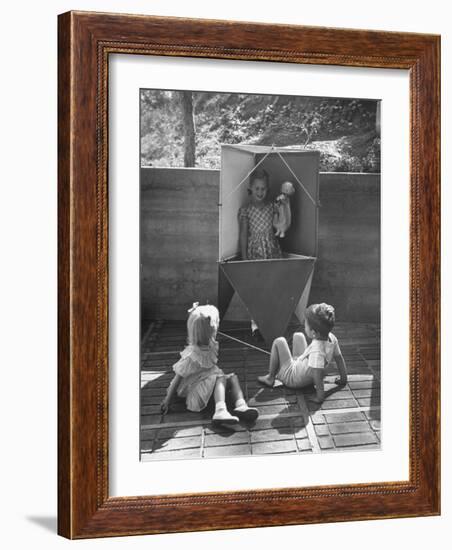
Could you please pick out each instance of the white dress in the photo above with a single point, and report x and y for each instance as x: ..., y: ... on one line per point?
x: 199, y: 371
x: 298, y: 371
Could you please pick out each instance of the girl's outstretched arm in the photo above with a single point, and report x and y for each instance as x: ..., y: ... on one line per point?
x: 342, y: 380
x: 243, y: 238
x: 318, y: 383
x: 172, y: 388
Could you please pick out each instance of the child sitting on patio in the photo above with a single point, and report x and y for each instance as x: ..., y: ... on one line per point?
x: 198, y: 376
x: 306, y: 364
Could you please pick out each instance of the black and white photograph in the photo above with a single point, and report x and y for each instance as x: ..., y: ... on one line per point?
x: 259, y: 274
x: 224, y: 235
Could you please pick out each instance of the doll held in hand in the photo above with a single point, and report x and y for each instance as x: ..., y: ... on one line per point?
x: 284, y: 215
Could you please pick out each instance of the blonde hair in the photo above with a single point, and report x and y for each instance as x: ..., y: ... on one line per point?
x: 202, y: 325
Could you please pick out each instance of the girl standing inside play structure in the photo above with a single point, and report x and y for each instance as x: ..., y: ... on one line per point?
x: 257, y: 220
x: 306, y: 364
x: 257, y: 223
x: 198, y: 377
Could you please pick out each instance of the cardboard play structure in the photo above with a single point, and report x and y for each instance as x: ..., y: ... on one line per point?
x: 271, y: 290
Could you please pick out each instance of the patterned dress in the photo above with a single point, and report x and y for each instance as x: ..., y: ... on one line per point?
x: 199, y: 371
x: 262, y: 243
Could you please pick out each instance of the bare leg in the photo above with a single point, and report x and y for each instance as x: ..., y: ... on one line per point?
x: 219, y: 393
x: 241, y: 409
x: 221, y: 413
x: 299, y: 344
x: 279, y: 355
x: 236, y: 390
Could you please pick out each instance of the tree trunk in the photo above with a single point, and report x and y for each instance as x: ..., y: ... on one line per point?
x: 378, y: 118
x: 189, y: 128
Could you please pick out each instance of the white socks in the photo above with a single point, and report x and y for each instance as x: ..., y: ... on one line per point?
x: 241, y: 411
x: 240, y: 405
x: 222, y: 414
x: 220, y: 405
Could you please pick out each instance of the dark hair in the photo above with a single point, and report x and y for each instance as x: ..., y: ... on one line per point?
x: 259, y: 175
x: 321, y: 318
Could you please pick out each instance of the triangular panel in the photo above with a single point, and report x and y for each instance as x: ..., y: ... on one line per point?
x: 270, y: 290
x: 225, y: 292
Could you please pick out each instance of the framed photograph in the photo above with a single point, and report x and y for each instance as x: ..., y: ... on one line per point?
x: 248, y: 275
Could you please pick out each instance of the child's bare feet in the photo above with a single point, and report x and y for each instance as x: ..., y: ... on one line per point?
x: 267, y: 380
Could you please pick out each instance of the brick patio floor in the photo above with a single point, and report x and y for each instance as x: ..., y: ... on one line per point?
x: 348, y: 419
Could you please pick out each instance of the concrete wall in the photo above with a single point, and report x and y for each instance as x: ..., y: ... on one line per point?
x: 179, y: 243
x: 347, y: 272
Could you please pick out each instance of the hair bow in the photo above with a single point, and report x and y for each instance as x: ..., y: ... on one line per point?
x: 195, y: 305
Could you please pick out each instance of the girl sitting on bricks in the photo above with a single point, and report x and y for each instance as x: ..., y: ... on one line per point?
x: 198, y: 377
x: 305, y: 366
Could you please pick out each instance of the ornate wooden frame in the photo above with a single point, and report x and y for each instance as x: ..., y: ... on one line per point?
x: 85, y: 42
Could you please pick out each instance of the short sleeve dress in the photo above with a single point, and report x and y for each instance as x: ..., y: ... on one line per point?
x: 262, y: 243
x: 298, y: 372
x: 199, y: 371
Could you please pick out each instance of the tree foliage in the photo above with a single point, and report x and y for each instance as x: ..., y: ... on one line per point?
x: 344, y: 130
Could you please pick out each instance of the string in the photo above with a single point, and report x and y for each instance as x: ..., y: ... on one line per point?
x: 242, y: 342
x: 247, y: 176
x: 272, y: 149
